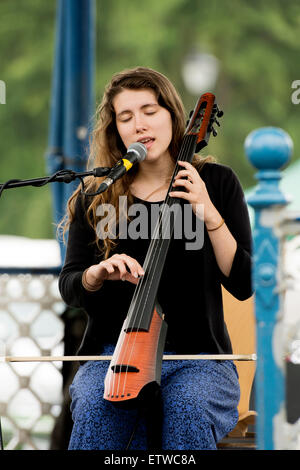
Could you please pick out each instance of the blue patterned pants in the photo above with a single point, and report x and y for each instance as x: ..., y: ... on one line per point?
x: 200, y: 399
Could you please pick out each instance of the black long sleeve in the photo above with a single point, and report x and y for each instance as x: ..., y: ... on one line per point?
x: 80, y: 255
x: 234, y: 210
x: 190, y: 287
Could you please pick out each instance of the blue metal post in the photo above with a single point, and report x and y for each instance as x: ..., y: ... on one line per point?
x: 72, y: 102
x: 55, y: 154
x: 268, y: 149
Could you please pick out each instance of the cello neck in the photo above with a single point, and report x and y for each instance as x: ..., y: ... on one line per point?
x: 143, y: 301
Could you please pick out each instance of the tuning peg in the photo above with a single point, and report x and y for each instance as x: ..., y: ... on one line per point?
x: 220, y: 113
x: 214, y: 132
x: 190, y: 115
x: 217, y: 122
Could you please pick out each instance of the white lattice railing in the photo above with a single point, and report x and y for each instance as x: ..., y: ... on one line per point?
x: 30, y: 393
x: 291, y: 286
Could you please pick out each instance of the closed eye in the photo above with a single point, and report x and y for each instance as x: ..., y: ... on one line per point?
x: 125, y: 119
x: 148, y: 109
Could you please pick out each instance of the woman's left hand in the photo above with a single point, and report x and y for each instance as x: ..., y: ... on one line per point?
x: 224, y: 245
x: 195, y: 191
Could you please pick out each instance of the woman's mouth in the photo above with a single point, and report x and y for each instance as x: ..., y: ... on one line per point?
x: 147, y: 141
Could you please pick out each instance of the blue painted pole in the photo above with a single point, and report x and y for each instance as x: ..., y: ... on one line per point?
x: 55, y: 153
x: 269, y: 150
x: 72, y: 102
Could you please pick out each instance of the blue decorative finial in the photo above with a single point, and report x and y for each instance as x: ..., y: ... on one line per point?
x: 268, y: 149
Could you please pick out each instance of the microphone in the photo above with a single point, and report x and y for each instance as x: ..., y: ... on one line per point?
x: 136, y: 153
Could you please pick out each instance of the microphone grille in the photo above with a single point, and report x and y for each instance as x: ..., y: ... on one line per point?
x: 139, y: 149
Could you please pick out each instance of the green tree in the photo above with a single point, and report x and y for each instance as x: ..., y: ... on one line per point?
x: 256, y: 43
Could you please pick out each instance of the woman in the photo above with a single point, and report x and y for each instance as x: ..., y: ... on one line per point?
x: 199, y: 398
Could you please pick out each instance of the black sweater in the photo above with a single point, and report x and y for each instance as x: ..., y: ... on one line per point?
x: 190, y: 287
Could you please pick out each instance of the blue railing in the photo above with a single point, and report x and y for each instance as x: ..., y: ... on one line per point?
x: 269, y: 150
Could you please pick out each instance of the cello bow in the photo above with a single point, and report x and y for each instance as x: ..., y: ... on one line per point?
x: 137, y: 358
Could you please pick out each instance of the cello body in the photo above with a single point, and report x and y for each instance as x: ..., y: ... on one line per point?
x: 137, y: 360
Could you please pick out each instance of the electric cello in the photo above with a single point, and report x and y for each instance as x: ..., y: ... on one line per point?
x: 137, y: 358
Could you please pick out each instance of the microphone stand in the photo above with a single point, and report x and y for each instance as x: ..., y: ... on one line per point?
x: 62, y: 176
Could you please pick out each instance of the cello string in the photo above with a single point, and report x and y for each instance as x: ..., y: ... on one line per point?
x: 149, y: 260
x: 149, y: 256
x: 154, y: 246
x: 135, y: 306
x: 112, y: 372
x: 119, y: 351
x: 122, y: 349
x: 157, y: 247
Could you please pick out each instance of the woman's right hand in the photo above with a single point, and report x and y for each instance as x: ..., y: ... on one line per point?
x: 117, y: 267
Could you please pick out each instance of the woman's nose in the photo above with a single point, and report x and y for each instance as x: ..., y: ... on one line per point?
x: 140, y: 124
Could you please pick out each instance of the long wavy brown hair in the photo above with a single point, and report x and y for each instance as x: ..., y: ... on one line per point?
x: 106, y: 146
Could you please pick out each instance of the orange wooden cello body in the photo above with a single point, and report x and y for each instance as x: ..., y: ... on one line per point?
x: 137, y: 359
